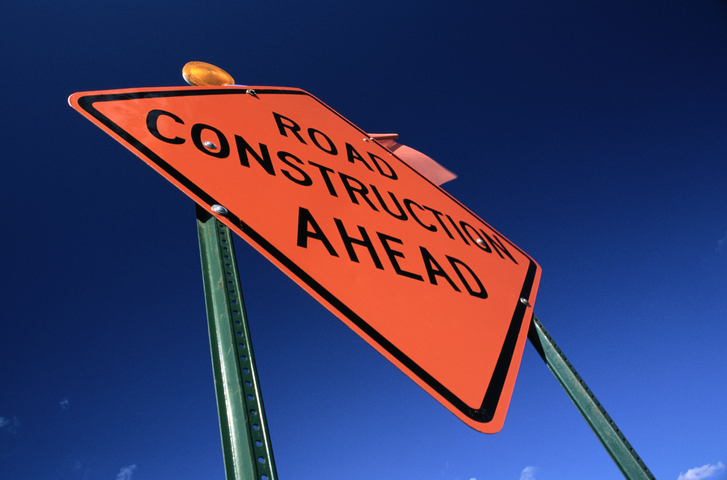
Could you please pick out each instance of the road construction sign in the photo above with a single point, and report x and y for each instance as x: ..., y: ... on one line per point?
x: 424, y: 280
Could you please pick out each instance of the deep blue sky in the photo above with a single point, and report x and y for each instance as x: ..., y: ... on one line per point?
x: 591, y: 134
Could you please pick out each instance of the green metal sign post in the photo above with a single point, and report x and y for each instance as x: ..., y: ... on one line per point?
x: 245, y: 439
x: 626, y: 458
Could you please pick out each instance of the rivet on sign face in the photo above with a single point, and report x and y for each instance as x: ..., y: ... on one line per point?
x: 366, y: 139
x: 252, y: 92
x: 210, y: 145
x: 524, y: 300
x: 480, y: 241
x: 219, y: 209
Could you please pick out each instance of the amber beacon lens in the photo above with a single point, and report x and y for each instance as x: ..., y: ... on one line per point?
x: 201, y: 73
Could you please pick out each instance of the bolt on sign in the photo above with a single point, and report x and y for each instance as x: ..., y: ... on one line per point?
x: 432, y: 287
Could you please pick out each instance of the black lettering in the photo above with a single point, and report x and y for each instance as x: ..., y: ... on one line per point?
x: 331, y: 147
x: 222, y: 144
x: 361, y: 190
x: 392, y: 254
x: 263, y: 159
x: 434, y: 270
x: 401, y: 215
x: 498, y: 246
x: 324, y: 173
x: 408, y: 203
x: 482, y: 293
x: 457, y: 228
x: 151, y: 124
x: 377, y: 163
x: 479, y: 241
x: 291, y: 125
x: 304, y: 219
x: 353, y: 155
x: 306, y: 181
x: 439, y: 219
x: 365, y: 241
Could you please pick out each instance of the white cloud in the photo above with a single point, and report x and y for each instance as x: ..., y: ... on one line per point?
x: 125, y: 473
x: 700, y: 473
x: 9, y: 424
x: 721, y: 243
x: 528, y: 473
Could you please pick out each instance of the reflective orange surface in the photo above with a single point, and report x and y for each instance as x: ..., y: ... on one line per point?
x: 425, y: 281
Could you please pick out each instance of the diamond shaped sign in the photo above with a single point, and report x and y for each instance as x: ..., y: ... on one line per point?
x: 421, y: 278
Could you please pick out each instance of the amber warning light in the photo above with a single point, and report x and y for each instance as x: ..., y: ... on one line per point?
x: 201, y: 73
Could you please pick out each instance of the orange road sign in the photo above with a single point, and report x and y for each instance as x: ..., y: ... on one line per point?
x: 426, y: 282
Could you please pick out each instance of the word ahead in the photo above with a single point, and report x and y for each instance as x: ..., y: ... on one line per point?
x: 432, y: 287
